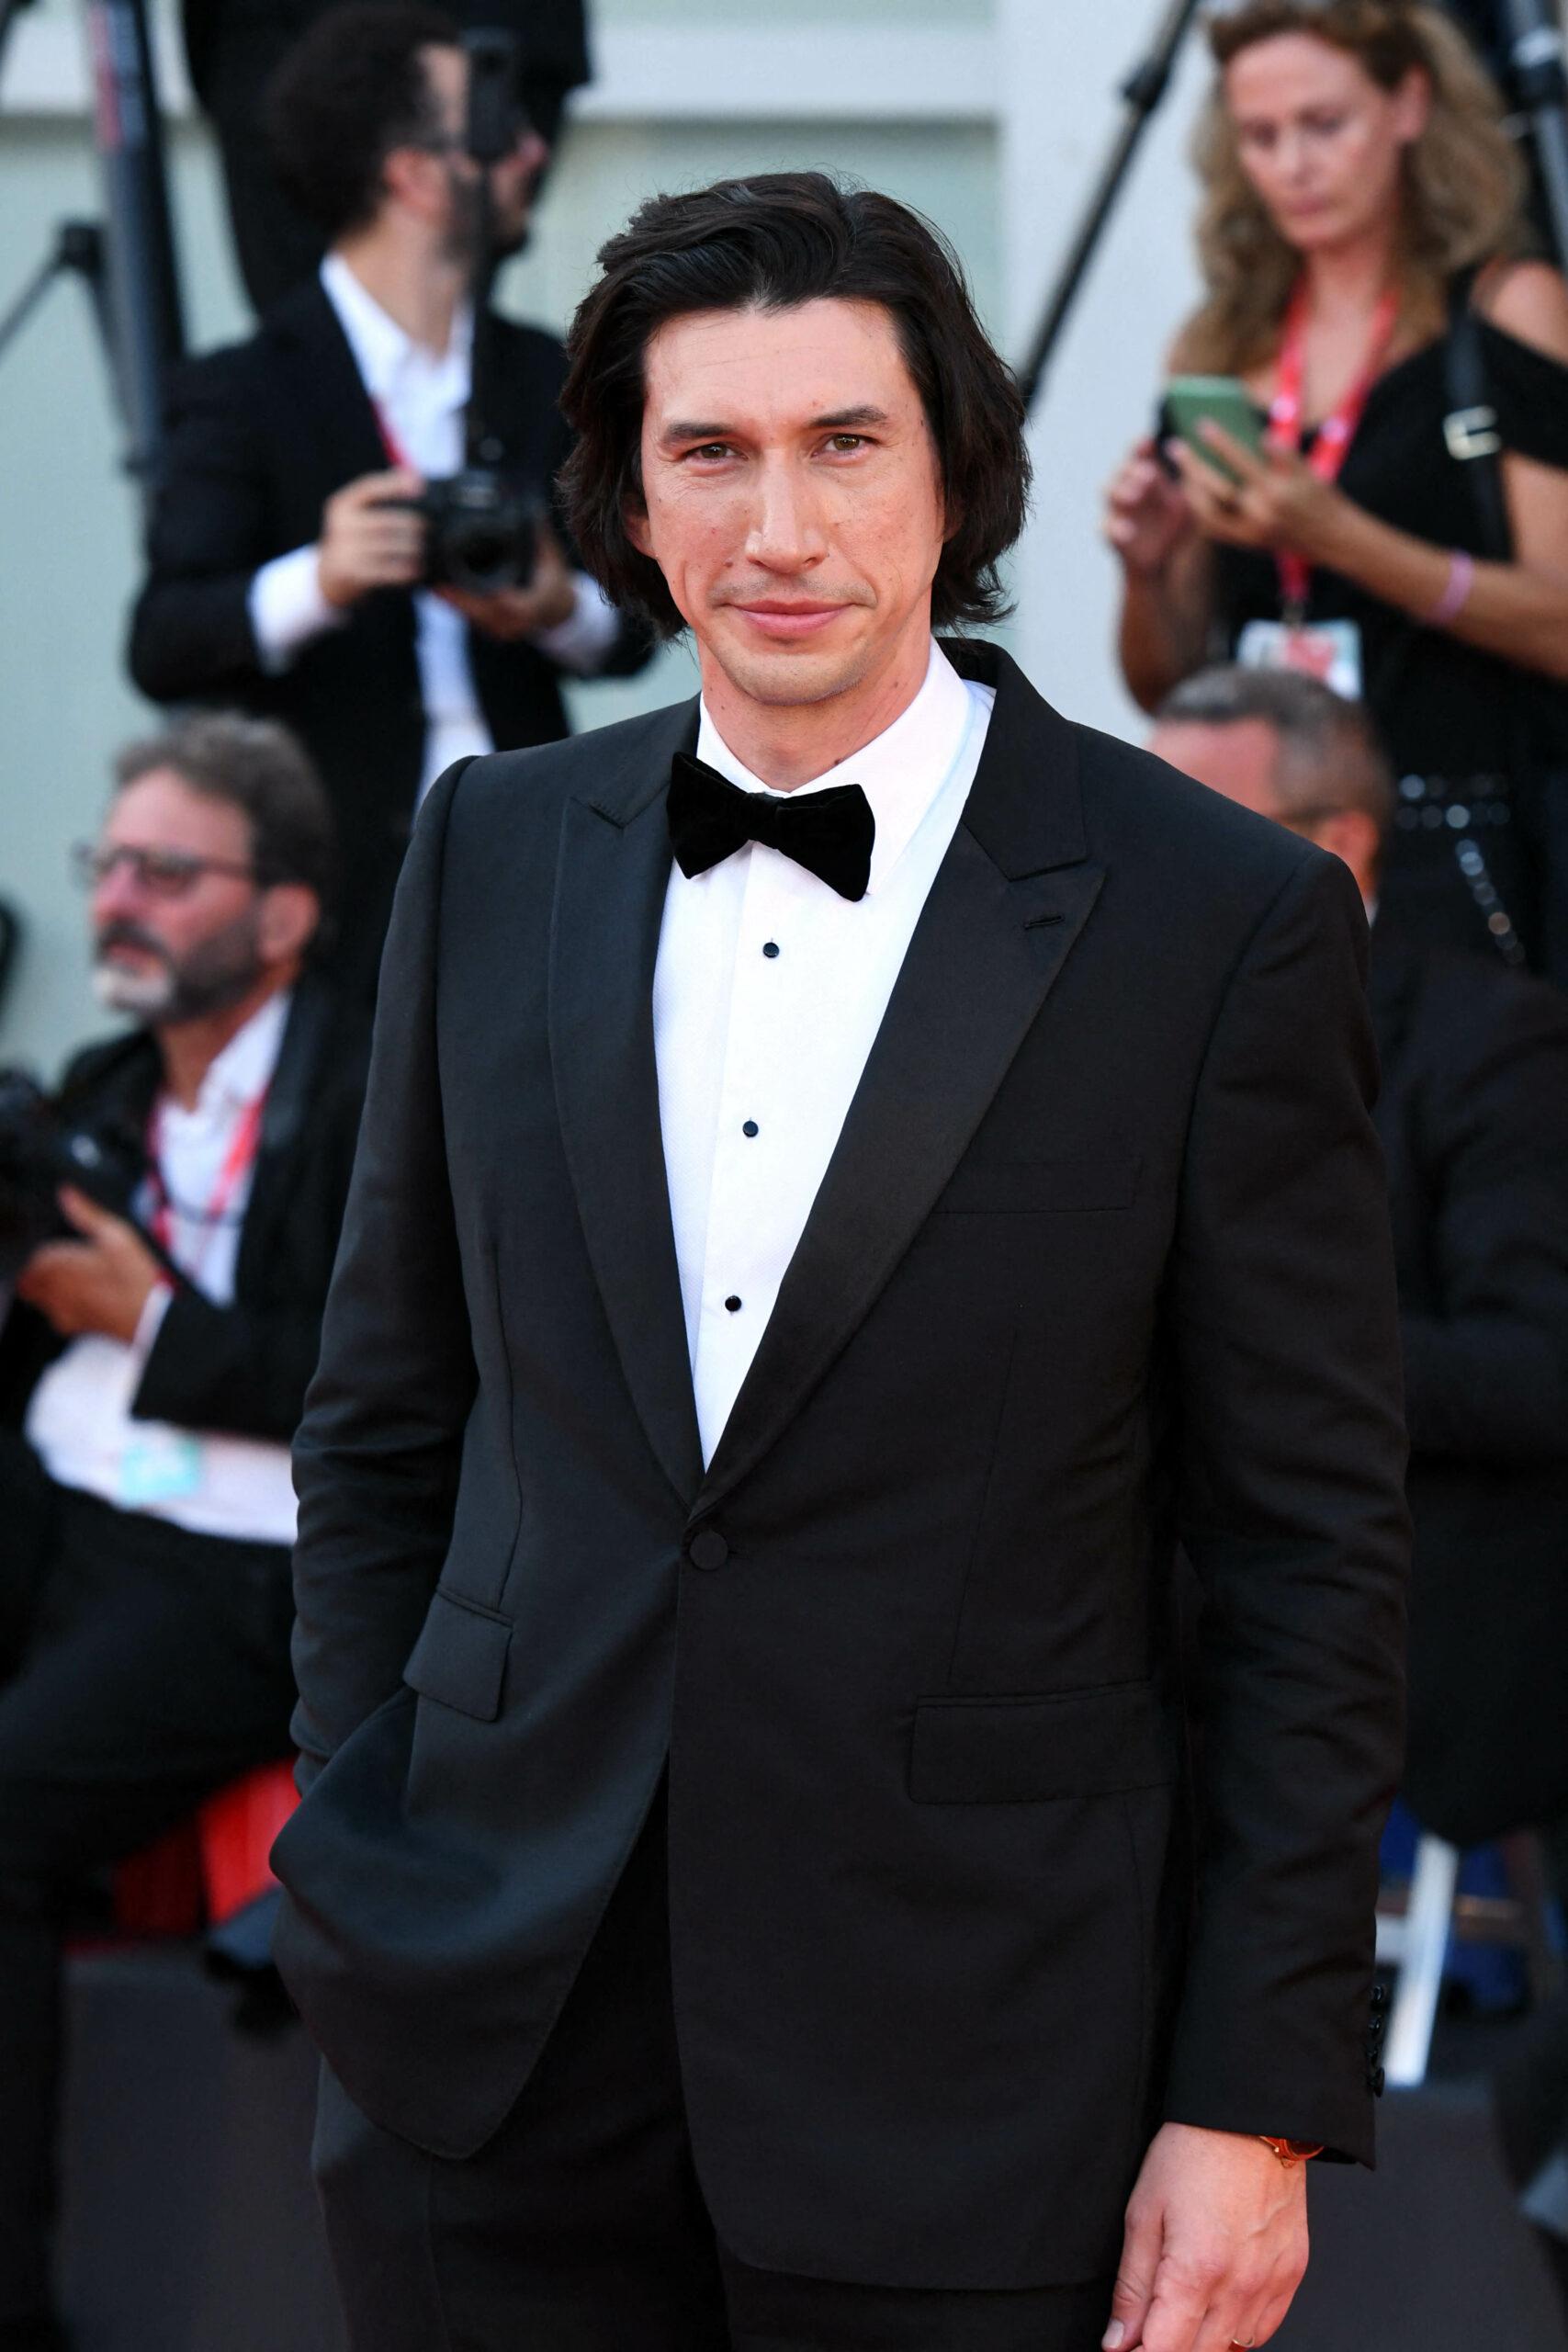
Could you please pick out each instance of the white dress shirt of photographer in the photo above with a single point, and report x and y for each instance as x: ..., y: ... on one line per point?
x: 419, y: 397
x: 79, y: 1421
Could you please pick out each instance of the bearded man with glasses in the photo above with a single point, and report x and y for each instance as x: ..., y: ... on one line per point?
x: 152, y: 1369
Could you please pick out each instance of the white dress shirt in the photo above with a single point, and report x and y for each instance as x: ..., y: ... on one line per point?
x: 419, y: 398
x: 768, y: 993
x: 79, y: 1421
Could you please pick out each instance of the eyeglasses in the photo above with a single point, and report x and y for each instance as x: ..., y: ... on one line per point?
x: 516, y: 128
x: 162, y: 873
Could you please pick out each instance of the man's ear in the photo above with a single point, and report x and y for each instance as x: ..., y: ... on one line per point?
x: 289, y: 918
x: 635, y: 523
x: 1350, y: 834
x: 416, y: 179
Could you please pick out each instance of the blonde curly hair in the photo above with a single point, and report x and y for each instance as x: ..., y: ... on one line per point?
x: 1464, y: 195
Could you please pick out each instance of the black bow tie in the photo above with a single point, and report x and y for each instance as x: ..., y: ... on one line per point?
x: 830, y: 833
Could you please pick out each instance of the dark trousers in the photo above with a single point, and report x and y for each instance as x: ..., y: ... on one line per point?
x: 142, y: 1668
x: 581, y: 2228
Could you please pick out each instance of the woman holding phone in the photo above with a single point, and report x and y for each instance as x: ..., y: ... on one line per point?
x: 1389, y: 508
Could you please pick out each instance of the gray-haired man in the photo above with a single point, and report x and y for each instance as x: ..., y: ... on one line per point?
x: 153, y: 1368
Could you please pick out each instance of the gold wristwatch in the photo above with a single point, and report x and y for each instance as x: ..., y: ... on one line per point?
x: 1292, y: 2152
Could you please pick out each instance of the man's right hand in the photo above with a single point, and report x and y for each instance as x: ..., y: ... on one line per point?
x: 367, y: 544
x: 1147, y: 513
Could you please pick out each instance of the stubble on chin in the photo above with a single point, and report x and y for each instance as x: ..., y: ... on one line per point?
x: 786, y: 678
x: 144, y: 996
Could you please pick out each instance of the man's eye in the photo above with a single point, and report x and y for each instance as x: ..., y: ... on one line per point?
x: 711, y: 449
x: 848, y: 441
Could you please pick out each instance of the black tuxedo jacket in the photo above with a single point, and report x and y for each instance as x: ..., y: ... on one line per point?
x: 1101, y: 1263
x: 245, y: 1368
x: 259, y: 436
x: 1474, y: 1115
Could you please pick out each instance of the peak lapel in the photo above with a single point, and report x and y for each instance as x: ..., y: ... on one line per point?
x: 1008, y: 905
x: 610, y: 886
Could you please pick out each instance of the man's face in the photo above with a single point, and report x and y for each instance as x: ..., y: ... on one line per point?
x: 792, y: 494
x: 175, y: 935
x: 1241, y: 760
x: 513, y: 181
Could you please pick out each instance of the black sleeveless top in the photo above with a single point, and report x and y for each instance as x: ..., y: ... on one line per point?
x: 1444, y: 708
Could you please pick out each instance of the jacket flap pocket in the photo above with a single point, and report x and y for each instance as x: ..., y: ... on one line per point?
x: 1020, y: 1186
x: 460, y: 1658
x: 1016, y: 1751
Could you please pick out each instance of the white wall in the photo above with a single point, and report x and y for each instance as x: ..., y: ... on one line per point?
x: 990, y: 115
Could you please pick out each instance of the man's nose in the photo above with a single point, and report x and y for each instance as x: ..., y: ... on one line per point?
x: 117, y: 892
x: 785, y: 533
x: 120, y: 896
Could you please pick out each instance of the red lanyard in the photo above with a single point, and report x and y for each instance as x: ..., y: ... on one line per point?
x: 1335, y: 434
x: 389, y: 441
x: 238, y: 1161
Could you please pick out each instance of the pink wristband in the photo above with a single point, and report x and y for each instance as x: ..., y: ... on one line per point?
x: 1456, y: 595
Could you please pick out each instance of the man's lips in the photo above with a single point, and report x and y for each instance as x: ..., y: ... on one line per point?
x: 776, y: 619
x: 119, y: 951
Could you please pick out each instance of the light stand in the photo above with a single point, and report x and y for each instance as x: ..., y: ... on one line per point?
x: 1538, y: 75
x: 79, y: 251
x: 127, y: 262
x: 1144, y: 93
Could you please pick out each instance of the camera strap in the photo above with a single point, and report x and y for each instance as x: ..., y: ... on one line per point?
x: 1331, y: 446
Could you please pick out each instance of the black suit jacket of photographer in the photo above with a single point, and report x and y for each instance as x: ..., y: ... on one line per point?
x: 245, y: 1368
x: 260, y: 435
x: 1473, y: 1116
x: 1101, y: 1260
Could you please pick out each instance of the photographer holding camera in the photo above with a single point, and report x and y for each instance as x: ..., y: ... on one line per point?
x: 166, y: 1319
x: 315, y: 552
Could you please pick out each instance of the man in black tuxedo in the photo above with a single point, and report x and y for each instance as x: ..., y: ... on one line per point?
x: 233, y: 46
x: 153, y: 1370
x: 280, y: 578
x: 1474, y: 1119
x: 833, y: 1212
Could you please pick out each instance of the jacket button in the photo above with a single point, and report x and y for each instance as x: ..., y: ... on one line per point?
x: 707, y: 1549
x: 1375, y: 2082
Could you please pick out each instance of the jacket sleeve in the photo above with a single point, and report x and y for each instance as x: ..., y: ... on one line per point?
x: 376, y: 1458
x: 190, y: 628
x: 229, y: 1368
x: 1486, y: 1374
x: 1291, y: 1509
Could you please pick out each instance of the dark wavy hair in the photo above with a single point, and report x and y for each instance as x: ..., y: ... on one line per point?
x: 348, y: 93
x: 257, y: 766
x: 772, y: 242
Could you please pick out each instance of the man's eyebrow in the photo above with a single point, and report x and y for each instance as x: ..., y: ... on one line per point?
x: 679, y: 430
x: 842, y: 420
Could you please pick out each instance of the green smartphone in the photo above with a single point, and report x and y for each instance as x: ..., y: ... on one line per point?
x: 1225, y: 401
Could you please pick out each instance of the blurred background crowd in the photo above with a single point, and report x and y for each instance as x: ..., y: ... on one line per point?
x: 278, y: 442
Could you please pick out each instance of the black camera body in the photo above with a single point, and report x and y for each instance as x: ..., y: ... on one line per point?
x: 40, y: 1151
x: 483, y: 530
